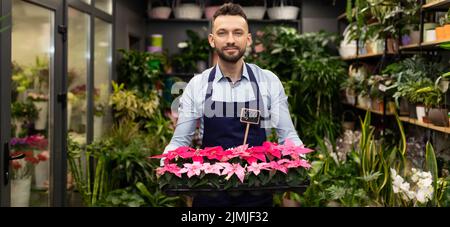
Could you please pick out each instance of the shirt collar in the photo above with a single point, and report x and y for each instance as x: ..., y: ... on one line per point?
x: 219, y: 76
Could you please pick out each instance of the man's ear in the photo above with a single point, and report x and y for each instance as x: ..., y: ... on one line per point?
x: 211, y: 40
x: 249, y: 39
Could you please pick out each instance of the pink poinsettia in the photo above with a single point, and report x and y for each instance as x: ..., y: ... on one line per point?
x: 272, y: 149
x: 192, y: 169
x: 297, y: 163
x: 182, y: 152
x: 290, y: 149
x: 256, y: 168
x: 233, y: 169
x: 214, y: 153
x: 277, y: 166
x: 214, y: 168
x: 171, y: 168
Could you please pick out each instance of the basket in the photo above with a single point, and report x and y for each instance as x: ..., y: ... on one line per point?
x: 283, y: 12
x: 255, y: 12
x: 187, y: 10
x: 158, y: 12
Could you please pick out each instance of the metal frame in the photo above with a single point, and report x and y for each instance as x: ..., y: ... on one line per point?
x: 5, y: 100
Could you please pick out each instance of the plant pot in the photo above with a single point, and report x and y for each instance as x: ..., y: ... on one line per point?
x: 421, y: 113
x: 20, y: 192
x: 41, y: 171
x: 447, y: 31
x: 350, y: 96
x: 438, y: 117
x: 254, y: 12
x: 188, y: 11
x: 283, y: 12
x: 41, y: 122
x: 412, y: 110
x: 364, y: 101
x: 160, y: 12
x: 440, y: 33
x: 403, y: 108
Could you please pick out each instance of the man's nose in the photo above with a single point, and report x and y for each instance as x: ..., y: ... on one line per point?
x: 230, y: 39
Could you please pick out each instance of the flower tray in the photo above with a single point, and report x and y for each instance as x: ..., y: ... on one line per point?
x: 263, y: 189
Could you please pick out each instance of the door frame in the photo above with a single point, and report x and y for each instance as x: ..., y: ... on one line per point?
x: 5, y: 100
x: 58, y: 102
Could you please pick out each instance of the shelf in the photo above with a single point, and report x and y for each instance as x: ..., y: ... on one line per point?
x: 437, y: 5
x: 425, y: 125
x: 426, y: 45
x: 342, y: 17
x: 366, y: 56
x: 367, y: 109
x: 203, y: 20
x: 273, y: 21
x: 181, y: 75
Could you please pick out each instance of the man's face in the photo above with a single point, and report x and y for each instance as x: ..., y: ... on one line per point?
x: 230, y: 37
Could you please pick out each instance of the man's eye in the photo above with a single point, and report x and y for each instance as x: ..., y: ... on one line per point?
x: 221, y: 33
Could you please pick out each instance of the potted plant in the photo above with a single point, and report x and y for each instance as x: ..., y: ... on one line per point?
x: 185, y: 9
x: 194, y: 53
x: 22, y: 112
x: 159, y: 9
x: 283, y: 10
x: 254, y: 9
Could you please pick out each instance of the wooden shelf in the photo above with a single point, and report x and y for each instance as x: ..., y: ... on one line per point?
x: 342, y: 17
x: 437, y: 5
x: 371, y: 110
x: 203, y: 20
x: 425, y: 125
x: 366, y: 56
x: 426, y: 45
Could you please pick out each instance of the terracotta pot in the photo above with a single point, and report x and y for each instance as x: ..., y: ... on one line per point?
x: 447, y: 31
x: 440, y: 33
x: 438, y: 117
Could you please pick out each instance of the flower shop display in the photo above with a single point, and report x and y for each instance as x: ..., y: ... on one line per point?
x: 214, y: 168
x: 35, y: 149
x: 41, y: 102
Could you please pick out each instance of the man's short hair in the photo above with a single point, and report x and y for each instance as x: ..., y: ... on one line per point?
x: 230, y: 9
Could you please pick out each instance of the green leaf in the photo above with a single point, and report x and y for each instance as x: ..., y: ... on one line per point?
x: 431, y: 166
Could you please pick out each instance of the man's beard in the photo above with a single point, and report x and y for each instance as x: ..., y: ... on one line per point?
x: 232, y: 58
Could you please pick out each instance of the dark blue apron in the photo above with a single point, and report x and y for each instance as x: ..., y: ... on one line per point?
x: 227, y: 131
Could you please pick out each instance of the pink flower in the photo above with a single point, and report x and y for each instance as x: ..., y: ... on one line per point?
x: 231, y: 169
x: 215, y: 168
x: 289, y: 148
x: 276, y: 166
x: 272, y: 149
x: 192, y: 169
x: 171, y: 168
x: 214, y: 152
x: 43, y: 156
x: 257, y: 167
x: 297, y: 163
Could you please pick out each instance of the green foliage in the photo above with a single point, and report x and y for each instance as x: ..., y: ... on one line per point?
x: 303, y: 63
x: 24, y: 111
x: 126, y: 197
x: 362, y: 180
x: 193, y: 50
x: 140, y: 70
x: 128, y: 105
x: 380, y: 19
x: 157, y: 198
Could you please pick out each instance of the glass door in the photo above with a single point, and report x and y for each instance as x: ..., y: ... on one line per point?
x: 38, y: 104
